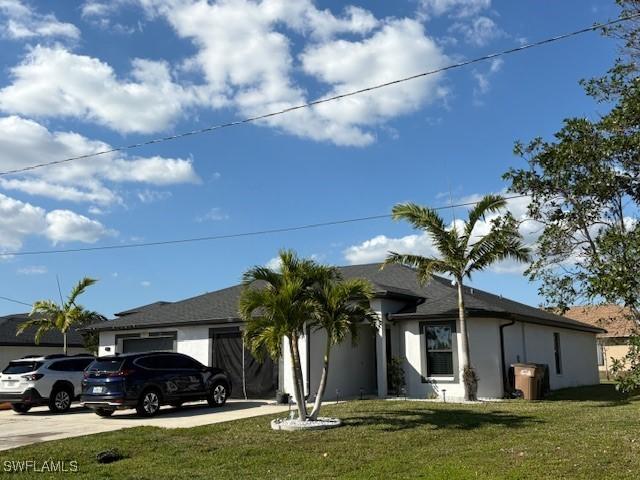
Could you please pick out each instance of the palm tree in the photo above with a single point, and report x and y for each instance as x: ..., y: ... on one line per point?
x: 461, y: 254
x: 341, y: 305
x: 48, y: 315
x: 277, y: 305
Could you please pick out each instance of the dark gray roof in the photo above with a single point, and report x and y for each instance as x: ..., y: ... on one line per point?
x: 9, y: 325
x: 437, y: 299
x: 141, y: 308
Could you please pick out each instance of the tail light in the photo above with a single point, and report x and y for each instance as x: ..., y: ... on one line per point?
x: 32, y: 377
x: 122, y: 373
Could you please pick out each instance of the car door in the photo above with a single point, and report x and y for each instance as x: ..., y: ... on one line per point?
x: 193, y: 375
x: 76, y: 369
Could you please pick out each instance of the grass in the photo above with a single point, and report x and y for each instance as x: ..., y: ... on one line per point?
x: 586, y: 432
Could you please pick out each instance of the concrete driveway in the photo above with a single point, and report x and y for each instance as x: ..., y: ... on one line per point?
x: 40, y: 425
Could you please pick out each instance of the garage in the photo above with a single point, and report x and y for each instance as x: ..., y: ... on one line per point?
x: 155, y: 342
x: 249, y: 376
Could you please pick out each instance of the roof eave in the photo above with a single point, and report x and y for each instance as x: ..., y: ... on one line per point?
x: 140, y: 326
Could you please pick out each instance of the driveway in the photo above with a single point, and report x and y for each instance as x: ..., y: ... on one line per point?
x: 40, y: 425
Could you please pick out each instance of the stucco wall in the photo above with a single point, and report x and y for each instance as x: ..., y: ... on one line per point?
x: 13, y: 353
x: 613, y: 352
x: 534, y: 343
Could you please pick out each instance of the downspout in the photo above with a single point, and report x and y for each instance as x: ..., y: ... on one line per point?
x: 505, y: 380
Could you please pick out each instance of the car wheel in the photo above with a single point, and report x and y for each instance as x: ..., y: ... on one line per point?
x: 104, y: 412
x: 149, y: 403
x: 60, y: 400
x: 20, y: 407
x: 218, y: 394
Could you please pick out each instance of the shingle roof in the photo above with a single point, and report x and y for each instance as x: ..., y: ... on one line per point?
x: 615, y: 319
x: 437, y: 298
x: 9, y: 325
x: 141, y: 308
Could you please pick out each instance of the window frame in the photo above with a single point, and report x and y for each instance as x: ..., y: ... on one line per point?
x: 557, y: 353
x: 440, y: 378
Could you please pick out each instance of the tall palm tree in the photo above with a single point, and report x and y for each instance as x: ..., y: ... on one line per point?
x: 460, y: 254
x: 276, y: 304
x: 48, y: 315
x: 341, y: 306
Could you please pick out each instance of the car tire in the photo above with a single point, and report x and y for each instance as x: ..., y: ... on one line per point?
x: 60, y: 400
x: 149, y: 403
x: 20, y: 407
x: 104, y: 412
x: 218, y: 394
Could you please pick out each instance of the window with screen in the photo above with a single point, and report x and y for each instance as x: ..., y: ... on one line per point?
x: 439, y: 349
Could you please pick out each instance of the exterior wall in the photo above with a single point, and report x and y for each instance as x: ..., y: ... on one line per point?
x: 382, y: 307
x: 526, y: 342
x: 484, y: 345
x: 351, y: 368
x: 193, y: 341
x: 8, y: 353
x: 610, y: 353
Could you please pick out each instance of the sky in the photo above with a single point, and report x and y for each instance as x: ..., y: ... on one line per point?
x: 80, y: 77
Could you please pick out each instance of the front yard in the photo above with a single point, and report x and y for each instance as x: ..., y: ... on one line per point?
x: 564, y: 437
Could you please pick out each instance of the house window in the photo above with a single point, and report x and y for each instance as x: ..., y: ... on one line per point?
x: 556, y: 352
x: 439, y: 350
x: 600, y: 348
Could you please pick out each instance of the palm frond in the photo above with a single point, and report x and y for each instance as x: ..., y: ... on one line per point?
x: 424, y: 266
x: 79, y: 289
x: 488, y: 204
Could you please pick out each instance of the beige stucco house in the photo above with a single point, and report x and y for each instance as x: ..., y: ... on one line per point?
x: 619, y: 325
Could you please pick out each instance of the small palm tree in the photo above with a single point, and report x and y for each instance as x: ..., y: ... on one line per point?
x: 48, y: 315
x: 461, y: 254
x: 276, y: 305
x: 341, y: 306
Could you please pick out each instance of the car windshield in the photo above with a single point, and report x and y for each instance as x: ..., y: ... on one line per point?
x: 105, y: 365
x: 16, y: 368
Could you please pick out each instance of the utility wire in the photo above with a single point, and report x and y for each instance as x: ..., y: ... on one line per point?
x: 220, y: 126
x: 15, y: 301
x: 227, y: 236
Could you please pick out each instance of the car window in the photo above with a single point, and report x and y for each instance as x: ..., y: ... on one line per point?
x: 106, y: 365
x: 60, y: 366
x: 183, y: 361
x: 148, y: 362
x: 79, y: 364
x: 16, y: 368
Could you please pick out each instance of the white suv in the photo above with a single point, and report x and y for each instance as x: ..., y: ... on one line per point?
x: 53, y: 380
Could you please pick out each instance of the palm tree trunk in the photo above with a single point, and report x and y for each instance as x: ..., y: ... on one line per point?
x: 298, y: 391
x: 464, y: 338
x: 64, y: 342
x: 323, y: 380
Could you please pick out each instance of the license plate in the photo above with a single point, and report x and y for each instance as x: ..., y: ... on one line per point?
x: 98, y: 390
x: 9, y: 383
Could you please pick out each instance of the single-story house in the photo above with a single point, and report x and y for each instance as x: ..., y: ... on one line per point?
x: 14, y: 346
x: 613, y: 344
x: 419, y: 326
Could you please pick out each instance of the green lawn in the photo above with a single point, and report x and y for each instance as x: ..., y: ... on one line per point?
x: 578, y: 433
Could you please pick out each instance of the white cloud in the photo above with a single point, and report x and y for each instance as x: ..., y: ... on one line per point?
x: 377, y: 248
x: 478, y: 32
x: 483, y: 79
x: 53, y: 82
x: 32, y: 270
x: 145, y: 283
x: 25, y: 142
x: 19, y: 21
x: 150, y: 196
x: 213, y: 215
x: 20, y: 219
x: 455, y: 8
x: 274, y: 264
x: 68, y: 226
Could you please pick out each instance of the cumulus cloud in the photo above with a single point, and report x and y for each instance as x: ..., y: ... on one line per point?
x: 25, y: 142
x: 54, y: 82
x: 19, y: 21
x: 483, y: 79
x: 377, y: 248
x: 478, y: 32
x: 32, y: 270
x: 455, y: 8
x: 20, y: 219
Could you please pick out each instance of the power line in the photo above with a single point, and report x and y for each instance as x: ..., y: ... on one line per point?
x: 220, y: 126
x: 15, y: 301
x: 227, y: 236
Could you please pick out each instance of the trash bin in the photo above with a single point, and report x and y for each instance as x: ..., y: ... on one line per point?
x: 528, y: 379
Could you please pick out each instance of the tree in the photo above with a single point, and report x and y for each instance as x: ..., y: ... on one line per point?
x: 584, y: 187
x: 341, y: 306
x: 460, y: 254
x: 276, y: 305
x: 47, y: 315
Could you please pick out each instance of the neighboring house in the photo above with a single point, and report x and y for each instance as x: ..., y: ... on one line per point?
x: 619, y: 326
x: 418, y: 324
x: 14, y: 346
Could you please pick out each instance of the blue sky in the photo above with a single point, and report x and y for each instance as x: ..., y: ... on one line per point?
x: 77, y: 76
